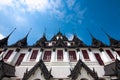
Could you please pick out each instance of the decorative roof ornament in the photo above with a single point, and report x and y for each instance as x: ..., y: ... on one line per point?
x: 113, y: 42
x: 60, y: 43
x: 6, y: 70
x: 47, y: 75
x: 77, y: 41
x: 77, y: 70
x: 54, y: 38
x: 4, y: 41
x: 22, y: 42
x: 59, y: 35
x: 96, y: 42
x: 113, y: 69
x: 41, y: 41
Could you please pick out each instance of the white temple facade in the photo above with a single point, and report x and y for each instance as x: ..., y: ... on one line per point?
x: 59, y: 59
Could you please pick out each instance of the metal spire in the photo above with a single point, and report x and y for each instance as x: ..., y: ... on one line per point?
x: 106, y: 33
x: 4, y: 41
x: 29, y: 32
x: 95, y: 42
x: 90, y: 34
x: 44, y: 34
x: 59, y: 29
x: 11, y: 32
x: 113, y: 42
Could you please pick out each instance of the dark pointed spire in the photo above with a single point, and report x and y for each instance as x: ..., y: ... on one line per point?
x: 28, y: 32
x: 75, y: 38
x: 41, y: 41
x: 96, y: 42
x: 4, y: 41
x: 77, y: 41
x: 64, y: 38
x: 113, y: 42
x: 60, y: 43
x: 54, y: 38
x: 11, y: 32
x: 22, y: 42
x: 43, y: 37
x: 59, y: 35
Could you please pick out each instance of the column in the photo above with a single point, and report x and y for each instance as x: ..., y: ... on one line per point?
x: 26, y: 58
x: 78, y: 55
x: 116, y: 55
x: 91, y: 55
x: 53, y: 56
x: 81, y: 55
x: 11, y: 58
x: 29, y: 55
x: 15, y: 57
x: 65, y: 56
x: 39, y: 56
x: 104, y: 56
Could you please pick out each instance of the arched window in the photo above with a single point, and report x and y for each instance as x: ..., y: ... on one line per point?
x: 83, y: 79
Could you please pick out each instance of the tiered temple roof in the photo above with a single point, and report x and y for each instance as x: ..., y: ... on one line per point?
x: 59, y: 40
x: 42, y: 67
x: 97, y: 43
x: 6, y: 70
x: 78, y: 42
x: 41, y: 41
x: 77, y: 70
x: 4, y: 41
x: 113, y: 69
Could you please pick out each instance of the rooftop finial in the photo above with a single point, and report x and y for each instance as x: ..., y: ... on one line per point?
x: 74, y: 31
x: 29, y: 32
x: 59, y: 33
x: 12, y: 32
x: 90, y: 33
x: 44, y: 31
x: 106, y: 33
x: 59, y: 29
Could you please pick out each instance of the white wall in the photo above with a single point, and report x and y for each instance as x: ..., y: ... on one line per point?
x: 60, y: 69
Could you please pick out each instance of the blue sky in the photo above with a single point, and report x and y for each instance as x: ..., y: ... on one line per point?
x: 70, y: 16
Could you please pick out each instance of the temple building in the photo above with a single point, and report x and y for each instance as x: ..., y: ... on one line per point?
x: 59, y: 59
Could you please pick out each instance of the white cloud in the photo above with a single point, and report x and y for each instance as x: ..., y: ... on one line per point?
x: 37, y: 5
x: 55, y: 8
x: 41, y: 5
x: 81, y: 13
x: 20, y: 19
x: 70, y: 36
x: 6, y: 2
x: 1, y: 36
x: 70, y: 3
